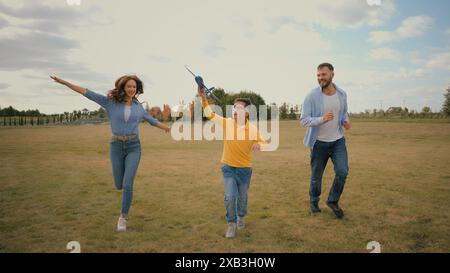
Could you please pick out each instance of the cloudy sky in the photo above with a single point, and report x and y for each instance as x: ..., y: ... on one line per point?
x: 394, y: 54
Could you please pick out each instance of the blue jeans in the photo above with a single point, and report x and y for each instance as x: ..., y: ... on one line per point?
x: 125, y: 157
x: 320, y: 154
x: 236, y: 183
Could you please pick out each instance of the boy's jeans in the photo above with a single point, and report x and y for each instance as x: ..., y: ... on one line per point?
x: 236, y: 184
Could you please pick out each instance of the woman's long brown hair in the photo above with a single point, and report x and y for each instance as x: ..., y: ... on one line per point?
x: 118, y: 94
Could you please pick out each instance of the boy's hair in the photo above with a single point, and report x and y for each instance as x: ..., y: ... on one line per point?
x: 244, y: 100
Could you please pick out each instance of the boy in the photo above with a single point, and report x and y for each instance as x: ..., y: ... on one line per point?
x: 236, y: 159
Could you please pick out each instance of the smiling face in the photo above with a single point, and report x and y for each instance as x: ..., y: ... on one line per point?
x: 239, y: 110
x: 324, y: 76
x: 130, y: 88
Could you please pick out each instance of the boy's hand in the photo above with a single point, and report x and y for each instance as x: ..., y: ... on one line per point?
x: 201, y: 91
x: 256, y: 147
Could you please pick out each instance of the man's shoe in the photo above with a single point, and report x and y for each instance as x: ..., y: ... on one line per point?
x: 336, y: 209
x: 315, y: 208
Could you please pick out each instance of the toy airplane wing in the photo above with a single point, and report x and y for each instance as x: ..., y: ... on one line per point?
x: 208, y: 91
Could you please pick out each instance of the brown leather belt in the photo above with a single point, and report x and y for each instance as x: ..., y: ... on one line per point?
x: 123, y: 138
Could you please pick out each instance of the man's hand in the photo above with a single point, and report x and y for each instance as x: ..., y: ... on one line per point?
x: 256, y: 147
x: 347, y: 125
x: 328, y: 116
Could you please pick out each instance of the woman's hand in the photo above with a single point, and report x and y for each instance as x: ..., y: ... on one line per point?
x: 74, y: 87
x: 162, y: 126
x: 58, y: 80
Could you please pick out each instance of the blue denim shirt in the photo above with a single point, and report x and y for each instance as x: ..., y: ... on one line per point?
x: 312, y: 114
x: 115, y: 113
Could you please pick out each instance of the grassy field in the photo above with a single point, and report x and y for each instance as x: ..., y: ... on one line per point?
x: 56, y: 186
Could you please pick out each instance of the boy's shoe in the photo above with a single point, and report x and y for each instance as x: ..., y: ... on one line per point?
x: 240, y: 223
x: 231, y: 231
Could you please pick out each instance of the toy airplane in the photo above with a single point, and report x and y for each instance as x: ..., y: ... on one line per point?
x: 208, y: 91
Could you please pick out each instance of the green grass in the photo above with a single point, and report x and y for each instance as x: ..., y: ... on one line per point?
x: 56, y: 186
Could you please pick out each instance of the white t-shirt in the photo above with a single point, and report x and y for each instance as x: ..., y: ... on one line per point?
x: 127, y: 112
x: 329, y: 131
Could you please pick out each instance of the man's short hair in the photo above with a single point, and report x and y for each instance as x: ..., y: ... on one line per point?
x: 322, y: 65
x: 244, y: 100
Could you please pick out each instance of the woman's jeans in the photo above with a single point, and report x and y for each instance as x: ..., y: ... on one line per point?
x: 236, y: 184
x: 125, y: 157
x: 320, y: 154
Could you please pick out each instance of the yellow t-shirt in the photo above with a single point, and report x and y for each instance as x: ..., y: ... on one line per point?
x: 237, y: 150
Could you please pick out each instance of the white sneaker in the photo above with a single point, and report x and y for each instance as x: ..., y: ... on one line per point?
x: 122, y: 224
x: 231, y: 231
x: 240, y: 223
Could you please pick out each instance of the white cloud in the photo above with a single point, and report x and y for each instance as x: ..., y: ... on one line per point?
x: 384, y: 53
x: 411, y: 27
x: 439, y: 61
x: 332, y: 14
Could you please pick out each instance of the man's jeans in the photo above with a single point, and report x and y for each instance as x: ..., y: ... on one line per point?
x: 236, y: 184
x: 125, y: 157
x: 320, y: 154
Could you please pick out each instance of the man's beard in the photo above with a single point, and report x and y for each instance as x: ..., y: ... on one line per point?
x: 326, y: 84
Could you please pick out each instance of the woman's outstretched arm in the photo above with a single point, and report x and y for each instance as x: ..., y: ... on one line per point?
x: 74, y: 87
x: 102, y: 100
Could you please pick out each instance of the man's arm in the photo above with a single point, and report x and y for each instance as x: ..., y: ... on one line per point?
x: 346, y: 123
x: 306, y: 118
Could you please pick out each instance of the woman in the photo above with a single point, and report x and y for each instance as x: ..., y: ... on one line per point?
x: 125, y: 113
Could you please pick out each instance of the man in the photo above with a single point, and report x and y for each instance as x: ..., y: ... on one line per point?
x: 236, y: 159
x: 324, y: 114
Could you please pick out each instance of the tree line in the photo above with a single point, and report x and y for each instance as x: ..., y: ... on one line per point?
x: 12, y: 117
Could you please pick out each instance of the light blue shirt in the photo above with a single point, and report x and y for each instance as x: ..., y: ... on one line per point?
x: 116, y: 116
x: 312, y: 114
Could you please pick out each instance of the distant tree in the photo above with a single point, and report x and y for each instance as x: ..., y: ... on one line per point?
x: 426, y: 110
x: 101, y: 113
x: 292, y: 114
x: 446, y: 105
x: 283, y: 111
